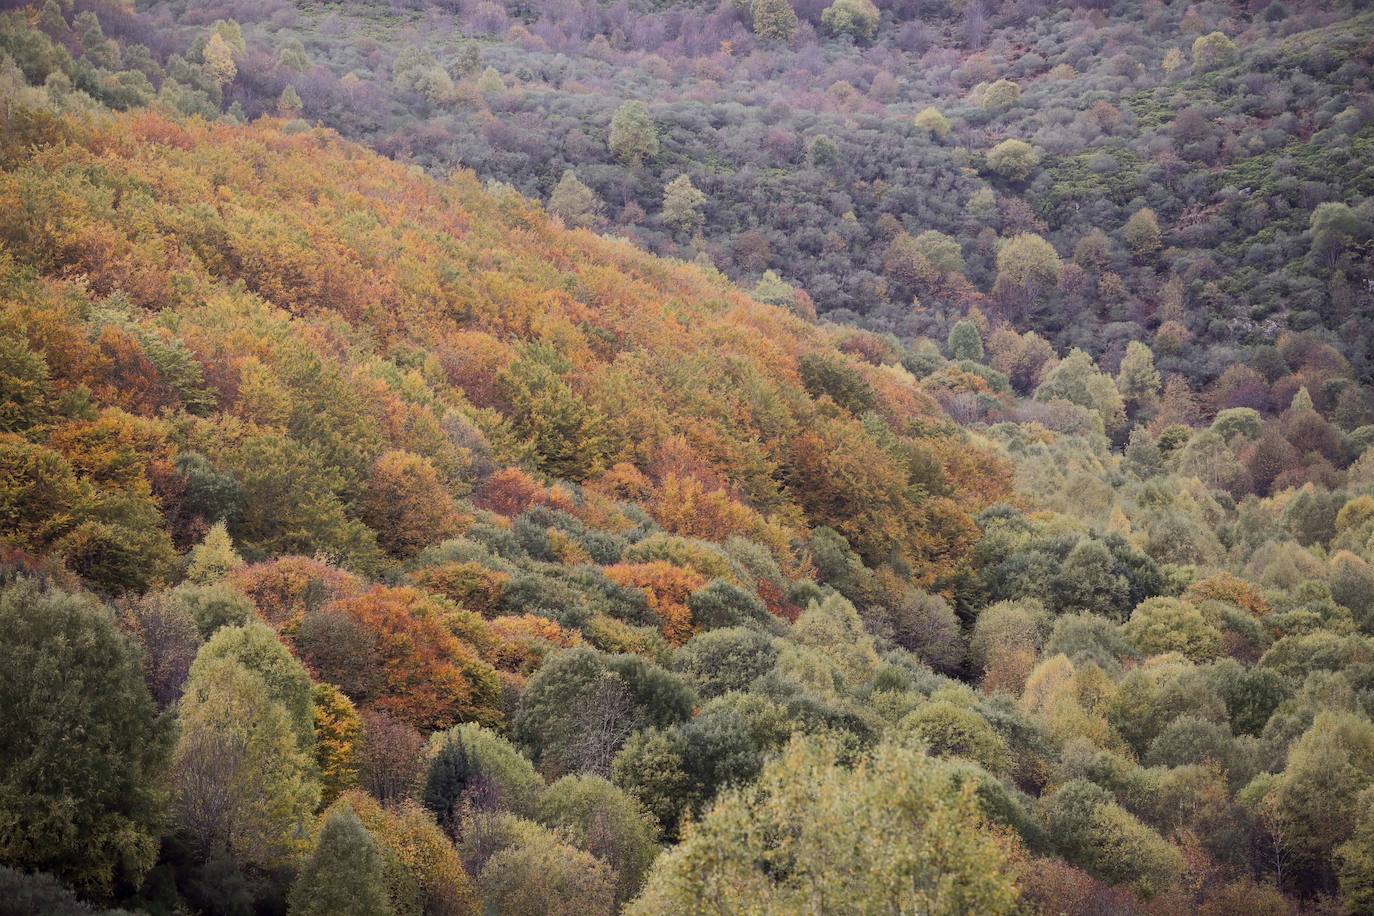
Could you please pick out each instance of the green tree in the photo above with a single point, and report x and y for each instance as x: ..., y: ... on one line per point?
x: 219, y: 60
x: 1327, y: 769
x: 774, y: 20
x: 536, y: 873
x: 243, y: 785
x: 255, y: 646
x: 1013, y: 159
x: 773, y: 290
x: 23, y: 386
x: 214, y: 557
x: 941, y: 252
x: 1138, y: 380
x: 1091, y: 830
x: 564, y: 433
x: 1333, y: 227
x: 343, y: 875
x: 633, y: 136
x: 1027, y: 266
x: 949, y: 730
x: 932, y: 122
x: 1355, y: 860
x: 1090, y: 580
x: 730, y: 658
x: 83, y: 749
x: 1162, y: 625
x: 1211, y: 51
x: 289, y: 104
x: 854, y: 19
x: 682, y: 204
x: 1077, y: 380
x: 575, y: 203
x: 605, y: 821
x: 965, y: 341
x: 1142, y: 233
x: 1001, y: 94
x: 814, y: 836
x: 1142, y: 456
x: 212, y: 606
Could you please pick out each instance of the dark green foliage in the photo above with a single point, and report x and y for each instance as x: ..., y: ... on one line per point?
x: 722, y: 660
x: 83, y: 752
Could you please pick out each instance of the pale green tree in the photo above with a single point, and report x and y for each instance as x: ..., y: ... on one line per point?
x: 930, y: 121
x: 682, y: 205
x: 633, y: 136
x: 774, y: 20
x: 1013, y: 159
x: 895, y: 832
x: 575, y: 203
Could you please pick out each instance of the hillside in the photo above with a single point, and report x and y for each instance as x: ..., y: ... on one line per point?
x: 377, y: 539
x: 815, y: 155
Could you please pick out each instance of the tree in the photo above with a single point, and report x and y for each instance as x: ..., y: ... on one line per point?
x: 582, y: 705
x: 219, y: 60
x: 1211, y: 51
x: 682, y: 204
x: 1141, y: 232
x: 344, y: 873
x: 575, y: 203
x: 814, y: 836
x: 1001, y: 94
x: 941, y: 252
x: 1137, y: 379
x: 255, y: 646
x: 1013, y: 159
x: 423, y: 873
x: 1027, y: 266
x: 1077, y: 380
x: 1091, y: 830
x: 965, y: 341
x: 536, y: 873
x: 1162, y: 625
x: 23, y: 386
x: 932, y: 122
x: 1333, y: 227
x: 407, y: 504
x: 774, y: 20
x: 949, y: 730
x: 1327, y: 769
x: 1142, y: 456
x: 214, y: 557
x: 338, y: 733
x: 633, y: 137
x: 605, y: 821
x: 289, y: 104
x: 731, y: 658
x: 565, y: 434
x: 83, y: 748
x: 243, y: 784
x: 855, y: 19
x: 1355, y: 860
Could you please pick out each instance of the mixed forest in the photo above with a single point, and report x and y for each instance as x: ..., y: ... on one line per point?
x: 665, y: 458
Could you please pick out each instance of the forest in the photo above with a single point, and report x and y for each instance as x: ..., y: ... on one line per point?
x: 670, y: 458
